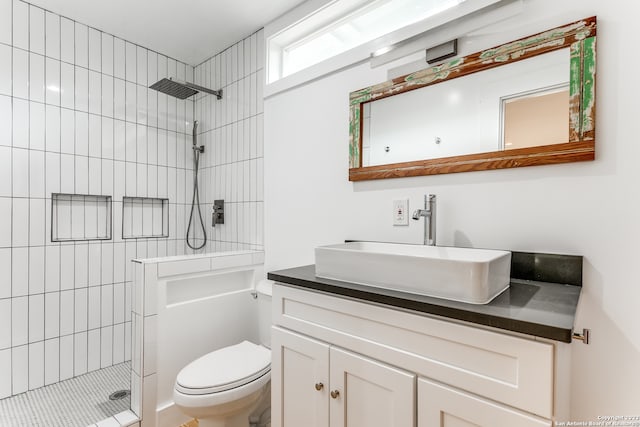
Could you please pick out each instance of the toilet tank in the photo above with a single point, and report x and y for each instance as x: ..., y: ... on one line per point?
x: 263, y: 289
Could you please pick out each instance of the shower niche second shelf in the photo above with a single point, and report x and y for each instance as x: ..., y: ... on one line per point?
x: 145, y: 218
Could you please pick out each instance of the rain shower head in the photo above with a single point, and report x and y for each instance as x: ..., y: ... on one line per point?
x: 182, y: 90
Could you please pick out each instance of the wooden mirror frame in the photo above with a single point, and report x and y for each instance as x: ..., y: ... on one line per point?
x: 579, y: 36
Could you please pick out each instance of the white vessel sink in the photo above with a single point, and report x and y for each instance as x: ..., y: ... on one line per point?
x: 473, y: 276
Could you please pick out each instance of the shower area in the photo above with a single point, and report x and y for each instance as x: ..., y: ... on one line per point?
x: 96, y: 169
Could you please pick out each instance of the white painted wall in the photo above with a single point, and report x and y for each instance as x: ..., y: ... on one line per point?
x: 587, y: 208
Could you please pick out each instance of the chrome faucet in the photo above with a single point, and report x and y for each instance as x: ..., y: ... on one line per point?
x: 429, y: 214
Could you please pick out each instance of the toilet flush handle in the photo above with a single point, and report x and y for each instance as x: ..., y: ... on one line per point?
x: 319, y: 386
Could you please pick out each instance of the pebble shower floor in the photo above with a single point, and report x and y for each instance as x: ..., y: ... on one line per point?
x: 77, y: 402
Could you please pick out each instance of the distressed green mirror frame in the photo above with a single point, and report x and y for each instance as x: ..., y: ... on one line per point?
x: 579, y: 36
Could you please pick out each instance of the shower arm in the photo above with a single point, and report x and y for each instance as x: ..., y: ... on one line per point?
x: 217, y: 93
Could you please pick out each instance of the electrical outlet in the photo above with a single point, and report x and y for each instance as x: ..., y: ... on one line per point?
x: 400, y: 212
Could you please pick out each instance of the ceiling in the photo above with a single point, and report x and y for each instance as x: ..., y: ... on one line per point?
x: 188, y: 30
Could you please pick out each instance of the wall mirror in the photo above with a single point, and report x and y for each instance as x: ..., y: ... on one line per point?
x: 527, y: 102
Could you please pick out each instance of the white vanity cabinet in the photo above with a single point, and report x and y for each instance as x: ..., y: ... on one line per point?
x: 395, y: 368
x: 321, y: 385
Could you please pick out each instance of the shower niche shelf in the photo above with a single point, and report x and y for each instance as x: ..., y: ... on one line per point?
x: 80, y: 217
x: 145, y: 218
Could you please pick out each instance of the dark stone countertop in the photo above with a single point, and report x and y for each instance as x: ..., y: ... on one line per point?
x: 540, y: 309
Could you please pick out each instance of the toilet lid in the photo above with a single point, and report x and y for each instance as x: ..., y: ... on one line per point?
x: 224, y: 369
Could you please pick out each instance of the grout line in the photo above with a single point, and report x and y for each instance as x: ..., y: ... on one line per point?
x: 11, y: 358
x: 29, y: 202
x: 59, y: 189
x: 113, y: 187
x: 44, y: 285
x: 100, y: 181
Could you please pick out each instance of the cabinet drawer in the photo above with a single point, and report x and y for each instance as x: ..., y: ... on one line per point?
x: 442, y: 406
x: 513, y: 370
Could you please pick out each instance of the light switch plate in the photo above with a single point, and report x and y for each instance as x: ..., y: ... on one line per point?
x: 401, y: 212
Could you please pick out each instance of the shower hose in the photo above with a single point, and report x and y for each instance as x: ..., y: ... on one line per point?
x: 195, y: 201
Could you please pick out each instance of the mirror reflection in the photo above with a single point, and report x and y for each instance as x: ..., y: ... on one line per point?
x: 538, y: 117
x: 516, y: 105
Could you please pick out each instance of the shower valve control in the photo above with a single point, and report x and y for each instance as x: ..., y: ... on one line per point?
x: 217, y: 216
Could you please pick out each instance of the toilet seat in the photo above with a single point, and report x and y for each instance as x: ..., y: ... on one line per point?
x: 224, y: 370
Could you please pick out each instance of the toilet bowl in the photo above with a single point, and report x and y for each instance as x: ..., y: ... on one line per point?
x: 227, y: 386
x: 224, y: 387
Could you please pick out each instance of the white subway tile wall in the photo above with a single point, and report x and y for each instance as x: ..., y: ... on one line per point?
x: 231, y: 131
x: 76, y: 117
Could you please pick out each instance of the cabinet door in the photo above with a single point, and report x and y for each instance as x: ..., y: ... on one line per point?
x: 366, y: 393
x: 299, y: 380
x: 442, y: 406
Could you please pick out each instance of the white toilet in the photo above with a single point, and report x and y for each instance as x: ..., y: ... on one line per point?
x: 227, y: 386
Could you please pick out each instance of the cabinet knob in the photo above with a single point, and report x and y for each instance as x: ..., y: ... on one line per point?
x: 319, y: 386
x: 335, y: 394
